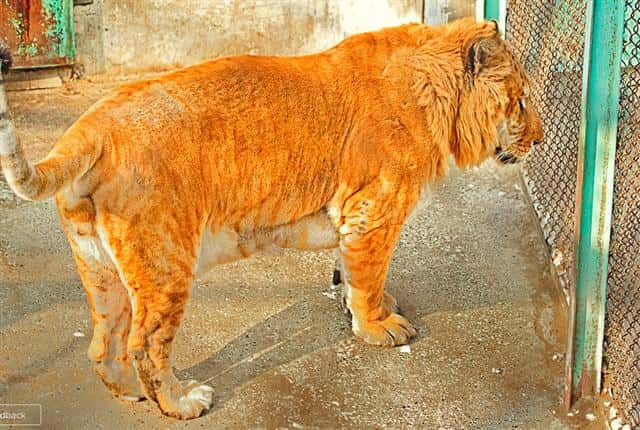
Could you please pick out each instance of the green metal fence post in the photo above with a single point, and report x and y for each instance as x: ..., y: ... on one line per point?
x: 492, y: 9
x: 496, y: 10
x: 596, y: 156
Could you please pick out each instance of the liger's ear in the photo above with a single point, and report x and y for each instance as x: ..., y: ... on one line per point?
x: 480, y: 50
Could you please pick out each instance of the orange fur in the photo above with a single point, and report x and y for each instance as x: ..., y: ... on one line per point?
x: 218, y: 160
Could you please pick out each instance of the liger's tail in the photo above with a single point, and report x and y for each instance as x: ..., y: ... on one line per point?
x: 72, y: 156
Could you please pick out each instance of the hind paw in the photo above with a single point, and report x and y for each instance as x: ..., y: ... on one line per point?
x: 195, y: 400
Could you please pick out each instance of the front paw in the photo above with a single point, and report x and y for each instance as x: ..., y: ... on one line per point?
x: 392, y: 331
x: 390, y: 304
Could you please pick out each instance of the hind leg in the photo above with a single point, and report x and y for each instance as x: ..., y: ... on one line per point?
x: 111, y: 315
x: 158, y: 276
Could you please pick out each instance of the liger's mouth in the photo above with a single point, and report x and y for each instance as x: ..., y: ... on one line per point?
x: 505, y: 157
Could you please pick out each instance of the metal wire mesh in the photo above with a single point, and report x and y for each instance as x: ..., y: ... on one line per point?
x: 622, y: 333
x: 548, y: 38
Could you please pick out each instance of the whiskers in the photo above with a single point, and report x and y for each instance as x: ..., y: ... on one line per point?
x: 508, y: 138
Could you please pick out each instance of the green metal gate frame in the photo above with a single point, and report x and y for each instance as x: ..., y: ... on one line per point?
x: 594, y: 201
x: 596, y: 157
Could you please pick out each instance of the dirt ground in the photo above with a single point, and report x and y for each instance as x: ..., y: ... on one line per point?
x: 268, y: 334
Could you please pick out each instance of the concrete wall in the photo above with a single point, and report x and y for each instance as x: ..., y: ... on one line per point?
x: 89, y: 28
x: 120, y: 36
x: 442, y: 11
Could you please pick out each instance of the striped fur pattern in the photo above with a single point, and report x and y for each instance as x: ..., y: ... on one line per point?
x: 208, y: 164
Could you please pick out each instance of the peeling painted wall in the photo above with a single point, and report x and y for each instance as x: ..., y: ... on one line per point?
x: 164, y: 34
x: 39, y: 32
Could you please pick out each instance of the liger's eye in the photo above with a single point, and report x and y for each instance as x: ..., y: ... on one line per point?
x: 522, y: 103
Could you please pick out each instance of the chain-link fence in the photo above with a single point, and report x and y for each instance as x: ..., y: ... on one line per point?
x: 622, y: 334
x: 548, y: 37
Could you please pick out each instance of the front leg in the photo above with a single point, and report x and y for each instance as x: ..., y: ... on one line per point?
x: 370, y: 226
x: 388, y: 301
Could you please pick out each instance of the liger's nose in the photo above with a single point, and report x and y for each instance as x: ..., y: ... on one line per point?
x: 536, y: 142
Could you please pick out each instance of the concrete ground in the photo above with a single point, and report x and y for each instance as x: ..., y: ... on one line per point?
x: 268, y: 334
